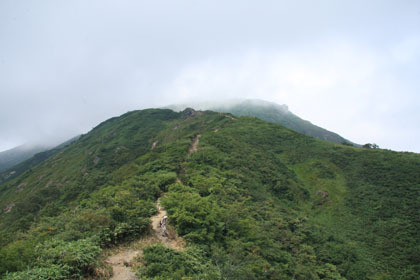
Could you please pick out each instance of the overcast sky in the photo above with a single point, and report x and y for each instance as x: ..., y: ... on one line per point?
x: 352, y: 67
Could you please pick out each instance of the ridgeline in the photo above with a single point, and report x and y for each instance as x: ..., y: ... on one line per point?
x: 251, y: 199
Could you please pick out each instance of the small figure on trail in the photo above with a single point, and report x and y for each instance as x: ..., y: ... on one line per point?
x: 163, y: 225
x: 163, y: 221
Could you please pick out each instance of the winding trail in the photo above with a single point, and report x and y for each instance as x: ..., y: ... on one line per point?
x: 122, y: 261
x: 194, y: 145
x: 172, y: 240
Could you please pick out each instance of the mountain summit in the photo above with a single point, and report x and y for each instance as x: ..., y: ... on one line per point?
x: 267, y: 111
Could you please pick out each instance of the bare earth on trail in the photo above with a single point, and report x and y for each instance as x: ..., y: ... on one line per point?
x: 120, y: 265
x: 172, y: 240
x: 121, y: 261
x: 194, y: 145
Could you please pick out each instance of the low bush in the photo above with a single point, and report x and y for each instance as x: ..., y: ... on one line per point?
x: 160, y: 262
x: 79, y: 257
x: 52, y: 272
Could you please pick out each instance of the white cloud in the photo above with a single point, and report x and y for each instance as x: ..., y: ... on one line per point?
x: 335, y: 63
x: 344, y: 87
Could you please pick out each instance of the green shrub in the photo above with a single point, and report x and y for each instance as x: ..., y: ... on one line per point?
x: 51, y: 272
x: 160, y: 262
x: 16, y: 255
x: 80, y: 257
x: 195, y: 216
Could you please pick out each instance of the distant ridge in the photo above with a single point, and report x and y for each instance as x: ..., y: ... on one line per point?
x: 23, y: 161
x: 18, y: 154
x: 267, y: 111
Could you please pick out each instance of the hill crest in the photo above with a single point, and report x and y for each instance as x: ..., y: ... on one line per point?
x: 267, y: 111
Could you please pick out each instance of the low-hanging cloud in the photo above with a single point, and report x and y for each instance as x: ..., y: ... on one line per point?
x: 343, y: 87
x: 349, y: 66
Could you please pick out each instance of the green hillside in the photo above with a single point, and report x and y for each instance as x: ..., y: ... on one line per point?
x: 254, y: 200
x: 270, y: 112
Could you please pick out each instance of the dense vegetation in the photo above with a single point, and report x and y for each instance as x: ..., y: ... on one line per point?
x: 256, y: 201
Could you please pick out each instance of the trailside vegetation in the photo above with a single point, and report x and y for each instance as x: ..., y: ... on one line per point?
x: 254, y: 201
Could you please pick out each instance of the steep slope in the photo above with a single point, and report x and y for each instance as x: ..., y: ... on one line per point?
x: 253, y: 200
x: 270, y: 112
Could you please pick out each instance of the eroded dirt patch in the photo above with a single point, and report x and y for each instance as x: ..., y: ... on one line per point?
x: 122, y: 261
x: 194, y: 145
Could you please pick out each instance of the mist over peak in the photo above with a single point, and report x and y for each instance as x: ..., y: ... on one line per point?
x: 267, y: 111
x: 65, y: 68
x: 227, y: 104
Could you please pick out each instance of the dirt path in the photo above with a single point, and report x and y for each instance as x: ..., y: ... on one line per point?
x: 120, y: 264
x: 194, y: 145
x: 172, y: 240
x: 122, y: 261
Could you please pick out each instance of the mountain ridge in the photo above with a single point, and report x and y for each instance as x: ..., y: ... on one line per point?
x: 11, y: 157
x: 267, y: 111
x: 35, y: 157
x: 276, y: 113
x: 254, y: 200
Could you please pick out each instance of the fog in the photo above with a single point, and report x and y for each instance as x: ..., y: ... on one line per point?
x: 351, y: 67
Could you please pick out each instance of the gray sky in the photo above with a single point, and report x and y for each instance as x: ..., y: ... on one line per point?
x: 352, y: 67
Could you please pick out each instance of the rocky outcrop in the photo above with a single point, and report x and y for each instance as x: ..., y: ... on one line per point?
x: 190, y: 112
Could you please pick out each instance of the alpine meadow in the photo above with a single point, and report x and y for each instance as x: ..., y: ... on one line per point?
x: 250, y: 200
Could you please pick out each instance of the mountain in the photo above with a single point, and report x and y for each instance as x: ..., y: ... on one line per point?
x: 252, y: 200
x: 270, y: 112
x: 18, y: 154
x: 23, y: 163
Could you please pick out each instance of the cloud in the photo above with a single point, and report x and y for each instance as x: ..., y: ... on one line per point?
x: 342, y: 86
x: 65, y: 67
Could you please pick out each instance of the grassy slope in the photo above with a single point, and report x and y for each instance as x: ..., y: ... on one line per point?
x: 248, y: 204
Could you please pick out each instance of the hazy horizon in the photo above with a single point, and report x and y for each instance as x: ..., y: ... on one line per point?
x: 351, y: 67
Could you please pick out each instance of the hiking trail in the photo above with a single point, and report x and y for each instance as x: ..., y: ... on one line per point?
x: 172, y: 240
x: 122, y: 261
x: 194, y: 145
x: 120, y: 264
